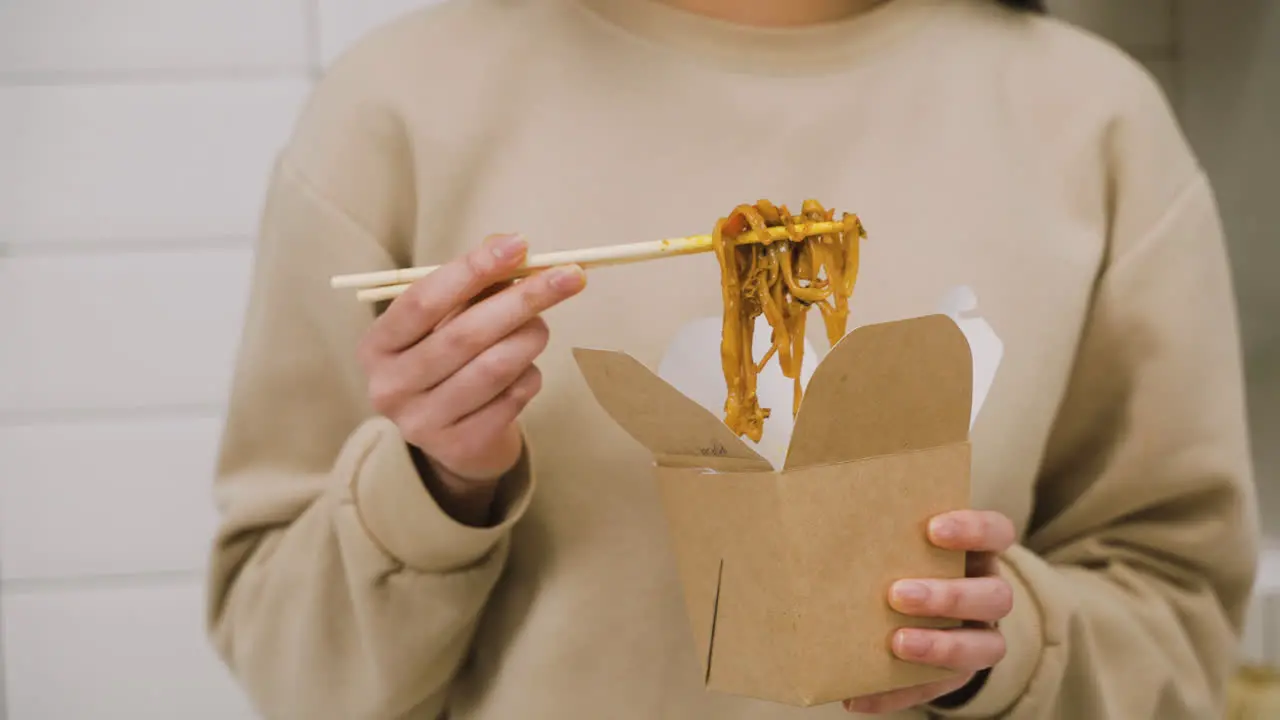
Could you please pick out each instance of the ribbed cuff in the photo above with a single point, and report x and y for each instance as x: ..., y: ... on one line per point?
x: 1024, y: 638
x: 403, y: 518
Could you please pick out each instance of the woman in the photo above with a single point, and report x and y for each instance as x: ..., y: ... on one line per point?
x: 386, y: 551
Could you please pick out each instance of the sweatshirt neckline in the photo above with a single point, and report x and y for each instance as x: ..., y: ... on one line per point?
x: 822, y: 47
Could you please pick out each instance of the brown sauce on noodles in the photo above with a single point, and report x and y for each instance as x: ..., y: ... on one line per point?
x: 782, y: 280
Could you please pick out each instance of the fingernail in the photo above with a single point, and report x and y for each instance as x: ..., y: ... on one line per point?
x: 943, y: 528
x: 568, y: 278
x: 508, y: 247
x: 912, y: 592
x: 913, y: 644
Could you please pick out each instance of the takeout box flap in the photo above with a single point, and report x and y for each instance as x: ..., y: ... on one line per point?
x: 888, y: 388
x: 675, y: 429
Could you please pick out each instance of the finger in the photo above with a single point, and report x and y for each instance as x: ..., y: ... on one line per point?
x: 973, y: 531
x: 478, y: 328
x: 904, y: 699
x: 481, y: 296
x: 427, y: 301
x: 474, y: 434
x: 398, y: 385
x: 985, y: 599
x: 491, y: 373
x: 967, y: 649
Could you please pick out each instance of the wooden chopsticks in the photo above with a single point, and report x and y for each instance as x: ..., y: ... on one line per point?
x: 389, y: 284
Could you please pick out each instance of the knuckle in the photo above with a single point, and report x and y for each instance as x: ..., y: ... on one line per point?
x: 491, y: 368
x: 993, y: 529
x: 454, y: 338
x: 528, y: 344
x: 417, y: 428
x: 985, y: 526
x: 540, y: 332
x: 416, y: 297
x: 542, y: 294
x: 383, y: 393
x: 949, y: 599
x: 947, y: 650
x: 535, y: 378
x: 531, y: 297
x: 999, y: 648
x: 1002, y: 597
x: 479, y: 262
x: 972, y: 528
x: 423, y: 304
x: 526, y: 387
x: 1004, y: 531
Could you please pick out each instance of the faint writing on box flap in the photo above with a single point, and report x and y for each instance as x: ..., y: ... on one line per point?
x: 666, y: 422
x: 715, y: 449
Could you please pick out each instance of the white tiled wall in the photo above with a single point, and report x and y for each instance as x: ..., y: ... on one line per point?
x: 135, y: 136
x: 177, y: 143
x: 134, y: 140
x: 91, y: 38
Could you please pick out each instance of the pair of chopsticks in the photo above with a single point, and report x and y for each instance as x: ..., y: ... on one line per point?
x: 390, y: 284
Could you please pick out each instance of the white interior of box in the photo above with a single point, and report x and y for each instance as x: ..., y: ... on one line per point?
x: 692, y: 366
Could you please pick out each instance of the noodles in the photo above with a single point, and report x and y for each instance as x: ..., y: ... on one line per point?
x: 780, y: 279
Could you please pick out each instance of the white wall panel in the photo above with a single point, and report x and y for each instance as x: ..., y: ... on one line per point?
x: 61, y: 36
x: 119, y: 497
x: 114, y: 654
x: 133, y: 162
x: 129, y: 330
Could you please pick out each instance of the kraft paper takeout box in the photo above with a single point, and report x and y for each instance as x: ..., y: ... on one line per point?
x: 786, y: 572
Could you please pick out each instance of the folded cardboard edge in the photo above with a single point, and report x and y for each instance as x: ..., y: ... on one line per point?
x: 884, y: 388
x: 704, y: 581
x: 667, y: 423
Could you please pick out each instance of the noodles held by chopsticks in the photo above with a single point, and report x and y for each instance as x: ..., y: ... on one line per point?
x: 781, y: 279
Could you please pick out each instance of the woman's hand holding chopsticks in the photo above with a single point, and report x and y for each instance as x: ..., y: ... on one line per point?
x: 388, y: 284
x: 451, y: 362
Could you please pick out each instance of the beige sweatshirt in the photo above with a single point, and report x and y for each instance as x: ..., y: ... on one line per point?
x: 980, y: 146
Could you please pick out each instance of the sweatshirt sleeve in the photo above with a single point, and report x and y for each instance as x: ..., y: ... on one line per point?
x: 1131, y: 584
x: 338, y: 587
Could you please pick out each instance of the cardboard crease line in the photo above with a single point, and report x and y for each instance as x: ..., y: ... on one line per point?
x: 715, y: 615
